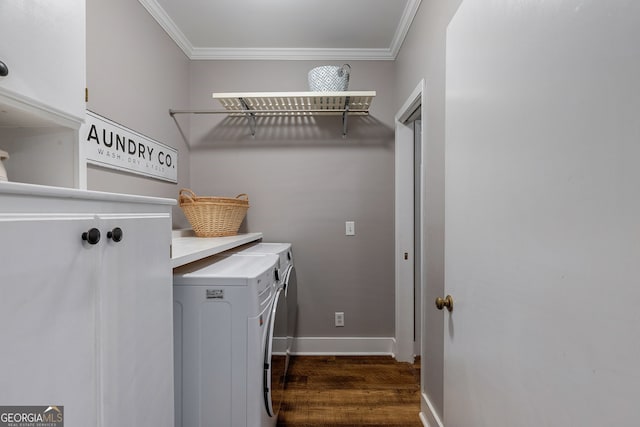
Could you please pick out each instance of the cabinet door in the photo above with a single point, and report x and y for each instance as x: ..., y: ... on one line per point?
x: 47, y: 315
x: 43, y: 45
x: 136, y: 326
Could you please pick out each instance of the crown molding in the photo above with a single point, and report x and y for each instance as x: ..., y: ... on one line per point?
x: 200, y: 53
x: 403, y: 28
x: 167, y: 24
x: 290, y: 54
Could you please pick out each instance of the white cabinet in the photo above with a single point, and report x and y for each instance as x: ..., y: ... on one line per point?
x: 42, y: 97
x: 86, y: 324
x: 47, y: 315
x: 136, y: 323
x: 43, y: 47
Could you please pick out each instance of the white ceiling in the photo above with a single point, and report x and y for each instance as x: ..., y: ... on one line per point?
x: 286, y: 29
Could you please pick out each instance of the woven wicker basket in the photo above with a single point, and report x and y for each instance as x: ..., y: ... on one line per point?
x: 214, y: 216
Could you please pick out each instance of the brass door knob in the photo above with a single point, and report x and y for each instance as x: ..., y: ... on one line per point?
x: 445, y: 302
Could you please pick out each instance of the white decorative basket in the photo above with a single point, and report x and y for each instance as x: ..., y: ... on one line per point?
x: 329, y: 78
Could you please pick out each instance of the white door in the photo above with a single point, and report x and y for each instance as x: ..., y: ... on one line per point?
x: 136, y: 306
x: 543, y: 214
x: 418, y: 177
x: 47, y: 317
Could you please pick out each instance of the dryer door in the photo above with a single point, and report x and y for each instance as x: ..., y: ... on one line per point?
x: 291, y: 293
x: 275, y: 358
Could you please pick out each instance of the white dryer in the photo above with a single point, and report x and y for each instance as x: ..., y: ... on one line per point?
x: 222, y: 312
x: 286, y: 326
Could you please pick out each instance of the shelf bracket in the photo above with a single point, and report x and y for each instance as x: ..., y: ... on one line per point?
x: 251, y: 117
x: 345, y: 115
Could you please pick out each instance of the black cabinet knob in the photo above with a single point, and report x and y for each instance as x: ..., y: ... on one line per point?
x: 115, y: 234
x: 4, y: 70
x: 92, y: 236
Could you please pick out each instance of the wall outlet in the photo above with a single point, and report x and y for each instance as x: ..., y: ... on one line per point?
x: 339, y: 318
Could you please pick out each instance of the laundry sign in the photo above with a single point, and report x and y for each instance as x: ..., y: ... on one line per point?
x: 109, y: 144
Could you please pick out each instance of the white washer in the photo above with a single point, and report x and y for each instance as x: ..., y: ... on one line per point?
x: 222, y: 309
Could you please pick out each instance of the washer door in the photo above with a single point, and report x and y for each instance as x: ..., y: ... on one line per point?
x: 275, y: 357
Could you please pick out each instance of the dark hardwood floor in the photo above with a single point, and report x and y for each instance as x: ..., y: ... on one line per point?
x: 351, y: 391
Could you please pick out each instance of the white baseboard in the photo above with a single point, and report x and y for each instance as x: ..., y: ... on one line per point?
x: 423, y: 420
x: 343, y: 346
x: 428, y: 414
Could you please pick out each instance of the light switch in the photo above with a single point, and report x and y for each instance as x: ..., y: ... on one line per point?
x: 350, y: 228
x: 339, y: 318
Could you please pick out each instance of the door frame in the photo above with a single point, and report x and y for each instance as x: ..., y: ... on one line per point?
x: 404, y: 222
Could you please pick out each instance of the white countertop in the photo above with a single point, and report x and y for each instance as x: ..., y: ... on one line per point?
x: 186, y: 248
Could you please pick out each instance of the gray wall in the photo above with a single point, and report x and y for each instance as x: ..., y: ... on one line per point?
x: 135, y: 73
x: 304, y: 181
x: 423, y: 57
